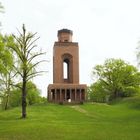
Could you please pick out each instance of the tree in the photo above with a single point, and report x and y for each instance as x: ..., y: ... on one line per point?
x: 33, y: 95
x: 115, y: 77
x: 25, y: 43
x: 97, y: 93
x: 6, y: 68
x: 6, y: 60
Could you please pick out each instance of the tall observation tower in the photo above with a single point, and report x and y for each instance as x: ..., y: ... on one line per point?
x: 66, y: 87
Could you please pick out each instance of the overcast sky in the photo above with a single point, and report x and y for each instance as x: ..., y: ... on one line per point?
x: 103, y: 29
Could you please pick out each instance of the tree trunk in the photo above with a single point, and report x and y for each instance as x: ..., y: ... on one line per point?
x: 24, y: 104
x: 7, y: 92
x: 116, y: 94
x: 6, y: 102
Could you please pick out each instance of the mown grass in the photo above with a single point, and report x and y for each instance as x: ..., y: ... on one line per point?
x: 91, y: 121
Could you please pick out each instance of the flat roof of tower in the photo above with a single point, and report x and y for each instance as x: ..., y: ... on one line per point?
x: 65, y: 31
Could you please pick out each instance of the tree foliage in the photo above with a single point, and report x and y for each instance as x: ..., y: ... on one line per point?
x: 6, y: 68
x: 6, y: 57
x: 97, y: 93
x: 33, y: 95
x: 115, y: 78
x: 25, y: 44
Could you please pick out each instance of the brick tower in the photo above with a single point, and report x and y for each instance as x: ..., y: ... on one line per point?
x: 66, y: 87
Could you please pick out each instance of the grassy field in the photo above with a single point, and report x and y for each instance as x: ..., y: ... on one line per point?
x: 95, y: 121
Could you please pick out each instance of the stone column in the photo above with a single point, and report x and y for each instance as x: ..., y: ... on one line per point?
x: 70, y: 94
x: 84, y: 98
x: 84, y: 95
x: 65, y: 95
x: 75, y: 94
x: 49, y: 95
x: 80, y: 93
x: 55, y: 95
x: 60, y: 94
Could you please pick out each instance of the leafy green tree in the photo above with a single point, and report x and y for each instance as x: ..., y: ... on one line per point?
x: 15, y: 97
x: 97, y: 92
x: 116, y: 78
x: 6, y: 68
x: 25, y: 43
x: 33, y: 95
x: 6, y: 58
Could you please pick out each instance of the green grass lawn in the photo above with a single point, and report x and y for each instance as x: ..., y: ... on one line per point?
x: 95, y: 121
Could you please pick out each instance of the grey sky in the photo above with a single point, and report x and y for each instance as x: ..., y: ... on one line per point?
x: 103, y: 29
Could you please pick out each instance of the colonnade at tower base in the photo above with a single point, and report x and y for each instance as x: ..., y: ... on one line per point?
x: 67, y: 93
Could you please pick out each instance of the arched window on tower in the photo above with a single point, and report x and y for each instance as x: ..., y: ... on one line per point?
x: 66, y: 70
x: 67, y: 63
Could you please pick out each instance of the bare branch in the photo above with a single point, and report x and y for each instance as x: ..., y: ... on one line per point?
x: 34, y: 56
x: 19, y: 32
x: 16, y: 49
x: 34, y: 65
x: 32, y: 75
x: 17, y: 71
x: 28, y: 52
x: 29, y: 44
x: 16, y: 85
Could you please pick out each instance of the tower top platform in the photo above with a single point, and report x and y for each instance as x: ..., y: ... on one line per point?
x: 64, y: 35
x: 65, y: 31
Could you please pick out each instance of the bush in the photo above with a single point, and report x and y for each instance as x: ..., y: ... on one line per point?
x: 97, y: 93
x: 33, y: 96
x: 15, y: 98
x: 130, y: 91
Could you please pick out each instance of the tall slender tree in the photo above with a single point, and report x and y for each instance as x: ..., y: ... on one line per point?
x: 25, y: 44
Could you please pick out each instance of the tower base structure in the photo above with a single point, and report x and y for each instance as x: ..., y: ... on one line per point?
x: 67, y: 93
